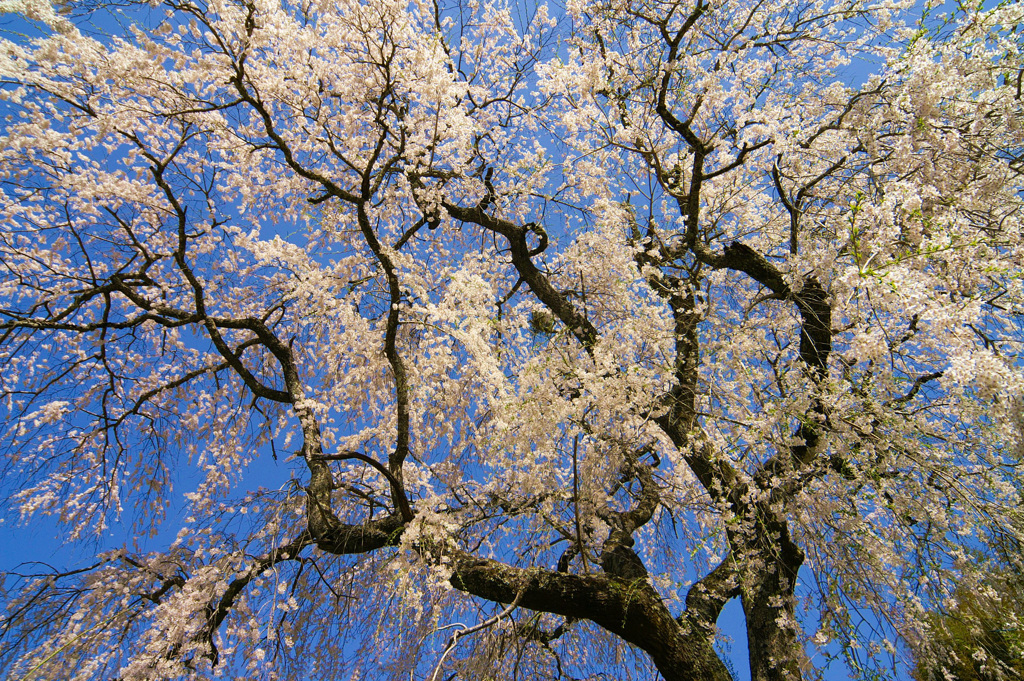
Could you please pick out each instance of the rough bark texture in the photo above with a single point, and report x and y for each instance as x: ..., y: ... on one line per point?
x: 631, y: 610
x: 769, y: 607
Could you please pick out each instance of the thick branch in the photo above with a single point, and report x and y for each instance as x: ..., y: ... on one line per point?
x: 707, y: 597
x: 811, y: 301
x: 632, y: 611
x: 346, y: 539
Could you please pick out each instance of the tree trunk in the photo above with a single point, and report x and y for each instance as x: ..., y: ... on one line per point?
x: 769, y: 606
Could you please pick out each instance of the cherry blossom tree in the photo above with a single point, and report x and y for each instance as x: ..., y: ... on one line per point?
x: 466, y: 341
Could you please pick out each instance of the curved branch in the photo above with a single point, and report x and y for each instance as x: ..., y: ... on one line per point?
x: 633, y: 611
x: 522, y: 255
x: 397, y: 491
x: 707, y: 596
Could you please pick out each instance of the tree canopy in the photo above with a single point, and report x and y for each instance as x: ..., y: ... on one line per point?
x: 471, y: 340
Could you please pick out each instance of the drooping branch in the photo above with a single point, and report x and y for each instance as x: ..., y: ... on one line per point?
x: 812, y: 302
x: 223, y: 607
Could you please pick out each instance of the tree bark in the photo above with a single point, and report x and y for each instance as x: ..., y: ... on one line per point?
x: 630, y: 610
x: 769, y: 602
